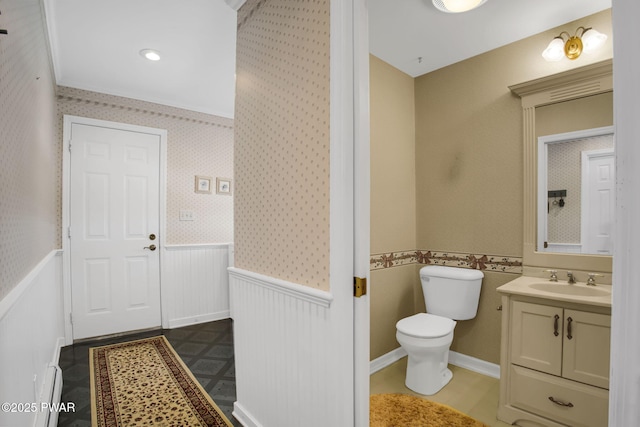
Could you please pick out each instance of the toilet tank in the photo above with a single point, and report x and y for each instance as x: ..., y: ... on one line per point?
x: 451, y: 292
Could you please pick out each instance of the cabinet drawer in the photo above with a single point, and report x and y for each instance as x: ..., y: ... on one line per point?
x: 530, y: 391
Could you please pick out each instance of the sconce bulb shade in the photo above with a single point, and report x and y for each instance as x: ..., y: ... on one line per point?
x: 592, y: 40
x: 457, y: 6
x: 555, y: 50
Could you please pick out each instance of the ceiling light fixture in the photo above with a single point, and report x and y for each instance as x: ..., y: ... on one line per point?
x: 584, y: 40
x: 457, y: 6
x: 150, y: 54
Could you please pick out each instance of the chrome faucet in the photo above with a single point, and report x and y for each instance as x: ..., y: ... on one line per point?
x: 592, y: 279
x: 572, y: 279
x: 554, y: 275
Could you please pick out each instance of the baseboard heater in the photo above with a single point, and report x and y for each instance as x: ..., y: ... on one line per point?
x: 51, y: 395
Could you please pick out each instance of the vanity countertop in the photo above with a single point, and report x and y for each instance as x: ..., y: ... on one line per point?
x: 580, y: 293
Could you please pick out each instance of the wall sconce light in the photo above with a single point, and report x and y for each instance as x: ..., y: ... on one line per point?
x: 584, y: 40
x: 457, y: 6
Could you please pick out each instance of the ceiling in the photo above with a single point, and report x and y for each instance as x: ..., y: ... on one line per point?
x: 95, y: 43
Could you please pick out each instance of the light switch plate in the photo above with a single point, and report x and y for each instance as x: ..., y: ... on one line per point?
x: 186, y: 215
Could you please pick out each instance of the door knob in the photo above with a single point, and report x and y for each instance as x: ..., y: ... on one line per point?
x: 150, y: 247
x: 152, y: 236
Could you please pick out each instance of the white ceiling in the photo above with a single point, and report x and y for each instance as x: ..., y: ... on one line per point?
x: 404, y: 30
x: 95, y: 43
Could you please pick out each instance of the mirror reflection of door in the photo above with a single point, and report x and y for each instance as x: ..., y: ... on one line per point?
x: 575, y: 207
x: 598, y: 186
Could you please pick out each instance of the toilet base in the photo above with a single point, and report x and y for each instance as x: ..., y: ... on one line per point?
x: 428, y: 359
x: 427, y: 386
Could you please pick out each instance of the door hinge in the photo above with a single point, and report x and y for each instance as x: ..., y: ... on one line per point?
x: 359, y: 286
x: 69, y: 232
x: 71, y: 318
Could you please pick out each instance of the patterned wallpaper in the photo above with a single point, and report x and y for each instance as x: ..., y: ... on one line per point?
x: 565, y: 173
x: 197, y: 144
x: 27, y: 144
x: 282, y: 140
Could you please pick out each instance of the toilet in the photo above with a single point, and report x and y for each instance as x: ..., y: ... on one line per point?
x: 450, y: 294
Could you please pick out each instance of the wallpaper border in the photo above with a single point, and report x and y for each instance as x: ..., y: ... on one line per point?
x: 68, y: 94
x: 497, y: 263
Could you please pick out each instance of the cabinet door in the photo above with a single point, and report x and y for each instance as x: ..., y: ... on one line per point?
x: 586, y: 347
x: 536, y: 337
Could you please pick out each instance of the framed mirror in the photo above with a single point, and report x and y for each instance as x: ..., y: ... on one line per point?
x: 537, y: 95
x: 576, y: 186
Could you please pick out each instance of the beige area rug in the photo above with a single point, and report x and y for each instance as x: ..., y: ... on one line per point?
x: 145, y: 383
x: 403, y: 410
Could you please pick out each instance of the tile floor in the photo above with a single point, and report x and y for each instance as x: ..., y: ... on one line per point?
x: 469, y: 392
x: 207, y: 349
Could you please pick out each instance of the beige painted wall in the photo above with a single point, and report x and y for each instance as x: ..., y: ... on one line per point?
x: 393, y: 181
x: 28, y: 149
x: 197, y: 144
x: 480, y: 337
x: 469, y: 179
x: 577, y: 114
x: 393, y: 200
x: 282, y: 141
x: 395, y: 293
x: 470, y: 145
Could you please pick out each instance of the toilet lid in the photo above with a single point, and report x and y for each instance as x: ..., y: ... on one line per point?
x: 424, y: 325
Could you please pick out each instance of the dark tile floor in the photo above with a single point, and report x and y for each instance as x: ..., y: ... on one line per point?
x: 207, y: 349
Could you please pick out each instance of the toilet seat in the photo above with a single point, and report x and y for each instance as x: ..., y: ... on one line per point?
x: 424, y: 325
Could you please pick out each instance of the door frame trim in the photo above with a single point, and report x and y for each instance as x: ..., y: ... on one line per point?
x: 69, y: 120
x: 362, y: 209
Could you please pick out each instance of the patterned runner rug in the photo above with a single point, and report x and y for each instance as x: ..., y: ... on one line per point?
x: 145, y: 383
x: 392, y: 410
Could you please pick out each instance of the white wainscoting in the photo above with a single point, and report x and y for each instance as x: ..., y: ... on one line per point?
x: 282, y: 351
x: 195, y: 284
x: 31, y: 334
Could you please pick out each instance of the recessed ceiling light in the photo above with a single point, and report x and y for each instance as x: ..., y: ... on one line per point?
x: 150, y: 54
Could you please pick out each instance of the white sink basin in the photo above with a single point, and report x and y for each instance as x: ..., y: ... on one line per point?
x: 564, y: 289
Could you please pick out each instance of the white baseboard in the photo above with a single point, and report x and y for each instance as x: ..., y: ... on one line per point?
x: 457, y: 359
x: 474, y: 364
x: 56, y: 352
x: 386, y: 360
x: 244, y: 417
x: 194, y: 320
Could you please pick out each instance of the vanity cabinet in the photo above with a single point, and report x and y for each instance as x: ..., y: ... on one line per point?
x: 555, y: 363
x: 568, y: 343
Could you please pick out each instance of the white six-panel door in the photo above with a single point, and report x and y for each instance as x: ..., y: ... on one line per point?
x: 113, y: 213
